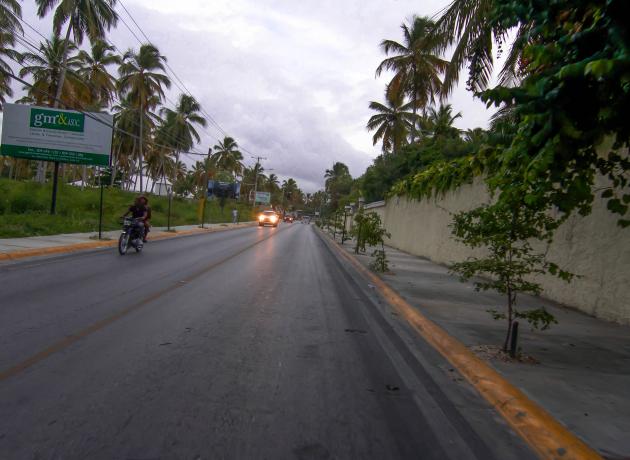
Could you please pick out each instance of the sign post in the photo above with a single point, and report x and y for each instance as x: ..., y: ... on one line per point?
x: 262, y: 197
x: 61, y: 136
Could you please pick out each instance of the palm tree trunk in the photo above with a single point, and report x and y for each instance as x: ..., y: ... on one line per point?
x: 140, y: 141
x: 64, y: 62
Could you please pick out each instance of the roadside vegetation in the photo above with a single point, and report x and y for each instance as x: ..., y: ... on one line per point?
x: 24, y: 209
x: 156, y: 141
x: 562, y: 101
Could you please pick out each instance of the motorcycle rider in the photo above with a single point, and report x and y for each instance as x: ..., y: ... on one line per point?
x: 147, y: 219
x: 139, y: 212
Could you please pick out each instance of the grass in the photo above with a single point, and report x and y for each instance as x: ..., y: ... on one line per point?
x: 25, y: 206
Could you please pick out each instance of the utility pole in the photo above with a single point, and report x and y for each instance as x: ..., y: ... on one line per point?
x: 205, y: 195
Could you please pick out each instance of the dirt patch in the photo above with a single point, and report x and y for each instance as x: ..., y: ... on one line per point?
x: 496, y: 353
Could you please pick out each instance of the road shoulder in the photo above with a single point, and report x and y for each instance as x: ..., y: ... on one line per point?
x: 22, y: 248
x: 543, y: 433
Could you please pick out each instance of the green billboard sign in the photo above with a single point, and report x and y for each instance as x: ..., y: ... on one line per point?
x: 55, y: 119
x: 64, y: 136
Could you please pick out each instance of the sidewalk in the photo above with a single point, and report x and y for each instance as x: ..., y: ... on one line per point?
x: 32, y: 245
x: 582, y: 374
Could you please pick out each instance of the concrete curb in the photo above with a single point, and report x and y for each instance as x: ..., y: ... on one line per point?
x: 542, y: 432
x: 70, y: 248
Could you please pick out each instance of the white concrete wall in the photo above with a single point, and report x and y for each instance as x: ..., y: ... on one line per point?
x: 593, y: 247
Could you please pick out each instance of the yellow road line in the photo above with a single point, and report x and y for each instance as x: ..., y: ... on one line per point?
x: 97, y: 326
x: 542, y: 432
x: 66, y: 249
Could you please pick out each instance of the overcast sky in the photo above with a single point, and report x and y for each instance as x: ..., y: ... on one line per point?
x: 289, y: 80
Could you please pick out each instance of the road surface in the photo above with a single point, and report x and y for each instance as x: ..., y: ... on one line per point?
x: 252, y: 343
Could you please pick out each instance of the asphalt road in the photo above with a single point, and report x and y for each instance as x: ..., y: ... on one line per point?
x: 252, y: 343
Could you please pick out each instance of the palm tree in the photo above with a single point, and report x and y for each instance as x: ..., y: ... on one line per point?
x: 465, y: 24
x: 290, y: 191
x: 273, y: 183
x: 10, y: 15
x: 143, y: 83
x: 45, y: 69
x: 92, y: 67
x: 179, y: 124
x: 227, y: 156
x: 200, y: 172
x: 84, y: 17
x: 7, y: 41
x: 393, y: 122
x: 415, y: 62
x: 440, y: 122
x: 338, y: 182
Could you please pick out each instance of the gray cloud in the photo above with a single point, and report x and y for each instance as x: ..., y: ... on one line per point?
x: 291, y: 81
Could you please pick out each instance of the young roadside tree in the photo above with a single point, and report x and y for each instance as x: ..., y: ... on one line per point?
x: 507, y: 233
x: 369, y: 230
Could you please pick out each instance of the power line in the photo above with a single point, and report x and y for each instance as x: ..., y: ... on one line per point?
x: 90, y: 114
x: 183, y: 87
x: 37, y: 50
x: 89, y: 84
x: 27, y: 44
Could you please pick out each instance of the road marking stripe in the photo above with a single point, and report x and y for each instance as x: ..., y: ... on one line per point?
x: 24, y: 253
x: 542, y: 432
x: 97, y: 326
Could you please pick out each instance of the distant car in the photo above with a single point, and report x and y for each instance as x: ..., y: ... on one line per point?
x: 288, y: 219
x: 306, y: 219
x: 268, y: 218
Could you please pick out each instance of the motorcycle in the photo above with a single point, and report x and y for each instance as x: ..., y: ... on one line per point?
x: 130, y: 236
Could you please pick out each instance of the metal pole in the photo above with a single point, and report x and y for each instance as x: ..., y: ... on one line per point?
x: 343, y: 232
x: 100, y: 210
x: 205, y: 197
x: 256, y: 180
x: 53, y: 204
x: 168, y: 219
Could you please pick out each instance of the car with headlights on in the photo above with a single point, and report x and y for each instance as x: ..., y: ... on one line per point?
x: 268, y: 218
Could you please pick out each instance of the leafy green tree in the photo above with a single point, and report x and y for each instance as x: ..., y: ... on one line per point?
x: 511, y: 261
x: 338, y: 183
x: 368, y: 230
x: 291, y: 193
x: 573, y: 98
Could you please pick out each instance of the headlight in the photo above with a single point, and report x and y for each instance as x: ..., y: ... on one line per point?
x: 261, y: 217
x: 274, y: 218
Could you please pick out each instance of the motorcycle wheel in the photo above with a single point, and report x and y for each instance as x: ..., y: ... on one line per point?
x: 123, y: 243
